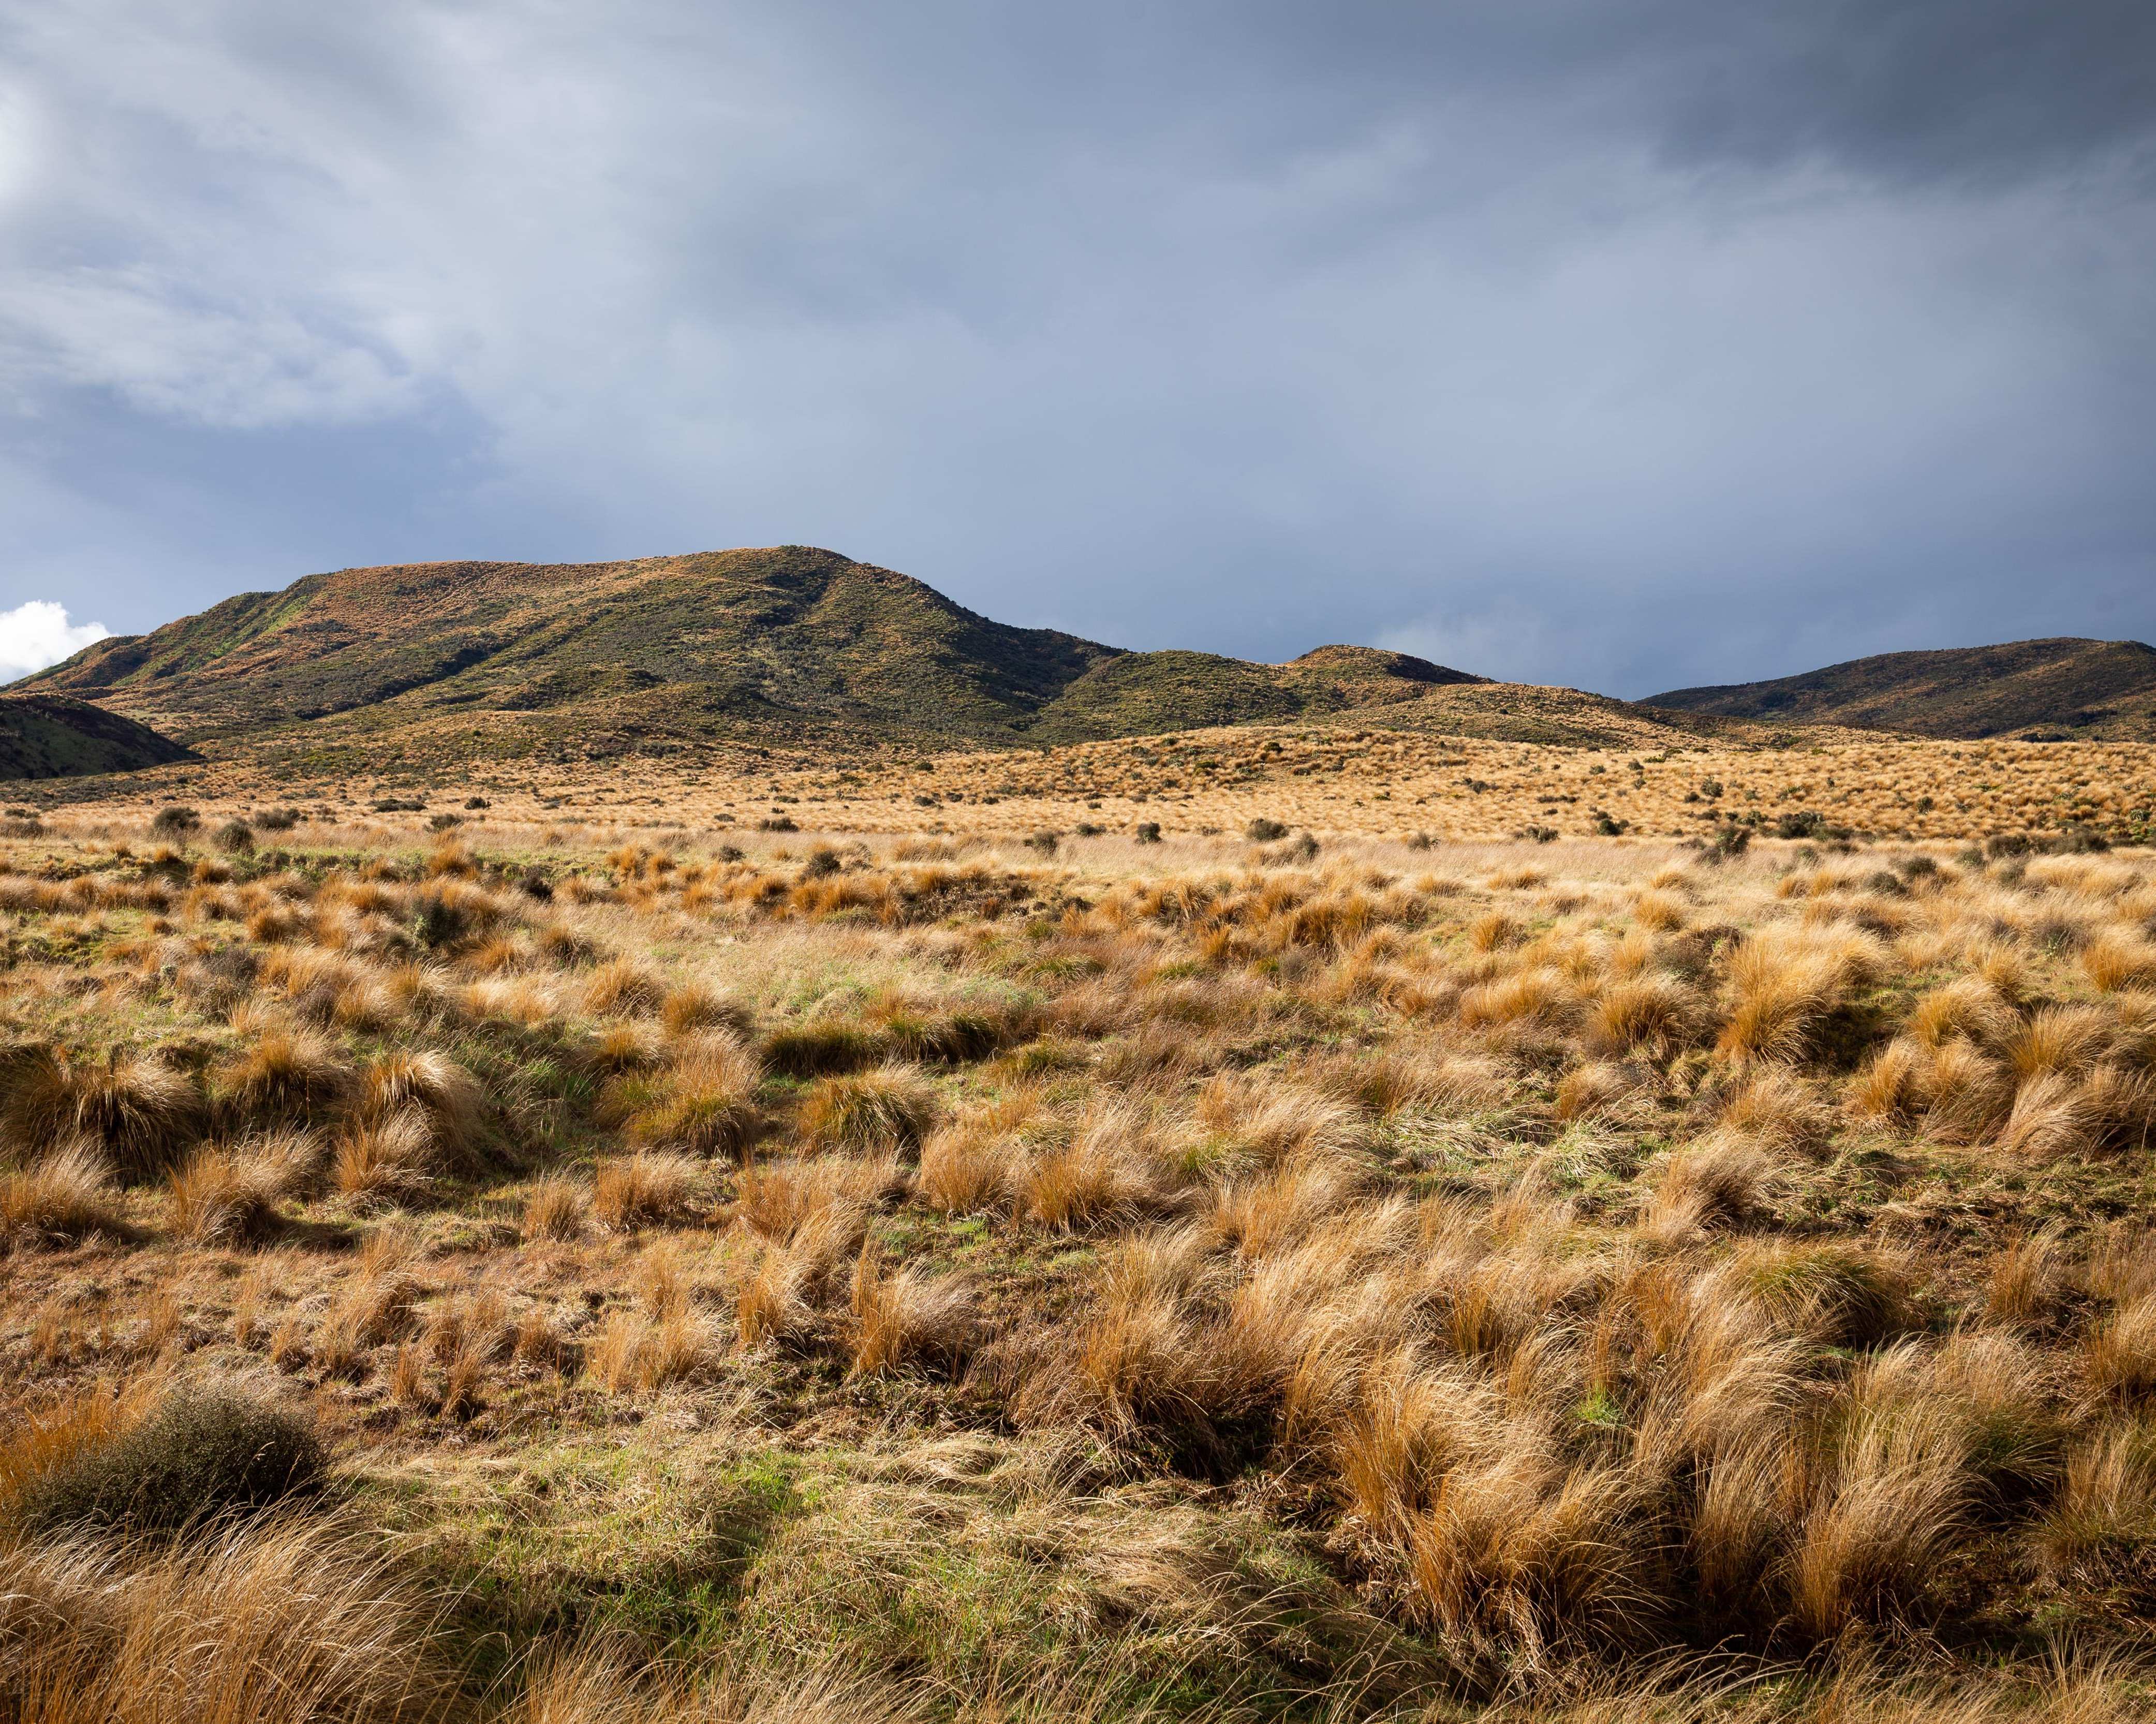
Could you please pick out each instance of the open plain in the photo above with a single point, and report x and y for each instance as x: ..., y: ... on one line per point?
x: 1284, y: 1223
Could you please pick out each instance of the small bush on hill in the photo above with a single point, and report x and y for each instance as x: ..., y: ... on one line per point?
x: 200, y: 1455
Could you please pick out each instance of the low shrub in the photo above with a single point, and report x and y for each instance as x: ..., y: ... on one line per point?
x: 200, y: 1455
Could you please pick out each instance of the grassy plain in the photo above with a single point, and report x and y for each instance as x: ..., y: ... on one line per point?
x: 585, y: 1258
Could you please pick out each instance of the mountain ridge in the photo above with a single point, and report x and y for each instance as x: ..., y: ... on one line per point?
x: 2067, y: 686
x: 716, y: 643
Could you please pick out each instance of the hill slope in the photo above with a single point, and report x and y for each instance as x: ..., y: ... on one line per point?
x: 2084, y: 689
x: 51, y: 736
x: 787, y: 641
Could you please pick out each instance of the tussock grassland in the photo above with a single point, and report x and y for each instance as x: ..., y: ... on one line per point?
x: 773, y: 1276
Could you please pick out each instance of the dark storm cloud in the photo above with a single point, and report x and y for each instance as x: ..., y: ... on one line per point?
x: 1629, y: 345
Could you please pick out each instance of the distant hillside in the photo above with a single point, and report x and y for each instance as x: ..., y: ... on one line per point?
x: 429, y: 663
x: 51, y: 736
x: 2098, y: 689
x: 517, y: 659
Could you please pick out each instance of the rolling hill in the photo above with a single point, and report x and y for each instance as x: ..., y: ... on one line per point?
x: 2098, y: 690
x: 662, y: 653
x: 52, y: 737
x: 426, y: 664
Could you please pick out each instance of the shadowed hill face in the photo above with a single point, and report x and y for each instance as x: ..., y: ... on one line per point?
x: 2085, y: 688
x: 50, y: 736
x: 714, y: 643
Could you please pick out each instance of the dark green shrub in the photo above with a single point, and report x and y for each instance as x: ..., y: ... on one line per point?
x: 200, y: 1455
x: 1045, y: 842
x: 477, y: 801
x: 1149, y: 832
x: 1262, y: 831
x: 174, y: 822
x: 822, y: 863
x: 1804, y: 822
x: 1730, y: 841
x: 235, y: 838
x: 777, y: 822
x: 277, y: 819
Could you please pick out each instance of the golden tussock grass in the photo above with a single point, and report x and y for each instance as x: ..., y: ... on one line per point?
x: 290, y: 1622
x: 65, y: 1196
x: 648, y: 1188
x: 1532, y: 1272
x: 137, y: 1112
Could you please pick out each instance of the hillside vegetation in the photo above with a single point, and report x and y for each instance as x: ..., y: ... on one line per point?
x: 2080, y: 688
x: 588, y: 1273
x: 672, y: 652
x: 53, y: 737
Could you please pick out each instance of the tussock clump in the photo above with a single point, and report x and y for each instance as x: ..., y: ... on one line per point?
x: 621, y: 988
x: 282, y: 1077
x: 967, y: 1168
x: 2051, y: 1118
x: 1721, y: 1181
x: 1519, y: 1558
x: 229, y: 1195
x: 1844, y: 1293
x: 1586, y: 1089
x: 1653, y: 1014
x: 908, y: 1318
x: 555, y: 1208
x: 892, y: 1107
x: 2122, y: 1352
x: 649, y: 1188
x: 387, y: 1161
x: 705, y: 1105
x: 66, y: 1197
x: 433, y: 1086
x: 137, y: 1112
x: 690, y: 1008
x: 1102, y: 1175
x: 294, y: 1622
x: 1781, y: 989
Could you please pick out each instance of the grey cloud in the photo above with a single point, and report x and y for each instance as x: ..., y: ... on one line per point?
x: 1624, y: 344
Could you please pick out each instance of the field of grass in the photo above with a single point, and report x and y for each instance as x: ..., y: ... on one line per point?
x: 1297, y: 1251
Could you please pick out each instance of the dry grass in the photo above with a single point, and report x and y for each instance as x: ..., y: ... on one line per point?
x: 66, y: 1196
x: 646, y: 1189
x: 1534, y: 1266
x: 228, y: 1195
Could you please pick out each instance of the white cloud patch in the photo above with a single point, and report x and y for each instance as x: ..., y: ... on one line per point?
x: 38, y: 634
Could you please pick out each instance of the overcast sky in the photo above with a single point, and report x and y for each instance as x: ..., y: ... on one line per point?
x: 1621, y: 343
